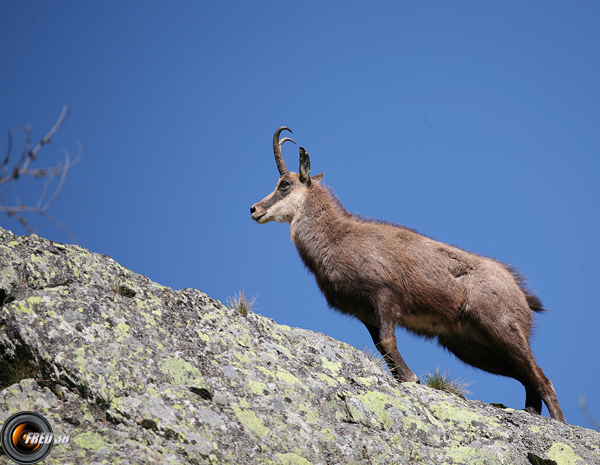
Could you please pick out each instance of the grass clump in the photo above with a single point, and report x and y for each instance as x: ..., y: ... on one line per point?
x: 123, y: 290
x: 15, y: 372
x: 377, y: 358
x: 241, y: 302
x: 444, y: 382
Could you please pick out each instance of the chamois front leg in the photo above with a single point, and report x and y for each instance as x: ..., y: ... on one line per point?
x: 384, y: 338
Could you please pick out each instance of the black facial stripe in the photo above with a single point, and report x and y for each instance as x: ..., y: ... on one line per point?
x: 276, y: 197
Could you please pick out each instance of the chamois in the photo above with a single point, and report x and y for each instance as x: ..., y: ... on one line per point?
x: 387, y: 275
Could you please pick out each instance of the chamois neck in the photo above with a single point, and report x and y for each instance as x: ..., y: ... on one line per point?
x: 320, y: 214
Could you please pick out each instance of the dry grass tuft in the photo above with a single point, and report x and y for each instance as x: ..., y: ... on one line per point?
x: 15, y: 372
x: 241, y: 302
x: 444, y: 382
x: 376, y: 358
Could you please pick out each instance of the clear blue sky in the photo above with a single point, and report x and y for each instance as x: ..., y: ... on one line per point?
x: 476, y: 123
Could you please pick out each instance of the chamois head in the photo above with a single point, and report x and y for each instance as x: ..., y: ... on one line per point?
x: 287, y: 198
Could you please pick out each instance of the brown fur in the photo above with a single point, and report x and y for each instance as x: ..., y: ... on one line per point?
x: 387, y: 275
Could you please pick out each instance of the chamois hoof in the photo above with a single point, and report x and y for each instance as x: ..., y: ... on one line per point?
x: 532, y: 411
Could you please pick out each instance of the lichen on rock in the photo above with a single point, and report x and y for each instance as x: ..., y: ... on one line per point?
x: 139, y: 373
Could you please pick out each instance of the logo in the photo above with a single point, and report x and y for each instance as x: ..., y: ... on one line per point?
x: 27, y: 438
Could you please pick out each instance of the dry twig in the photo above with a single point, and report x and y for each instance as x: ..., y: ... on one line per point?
x: 9, y: 174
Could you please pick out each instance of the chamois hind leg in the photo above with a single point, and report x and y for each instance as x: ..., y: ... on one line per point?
x: 538, y: 387
x: 512, y: 347
x: 384, y: 338
x: 533, y: 401
x: 518, y: 354
x: 507, y: 354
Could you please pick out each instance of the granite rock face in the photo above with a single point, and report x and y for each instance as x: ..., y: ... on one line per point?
x: 135, y: 373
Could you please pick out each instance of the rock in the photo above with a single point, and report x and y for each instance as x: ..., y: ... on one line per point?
x: 135, y: 373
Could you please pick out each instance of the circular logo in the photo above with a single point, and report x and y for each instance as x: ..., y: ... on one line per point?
x: 26, y: 438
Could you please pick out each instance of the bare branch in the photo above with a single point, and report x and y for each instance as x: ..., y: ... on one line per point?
x: 14, y: 212
x: 65, y: 170
x: 24, y: 158
x: 8, y: 150
x: 63, y: 116
x: 22, y: 168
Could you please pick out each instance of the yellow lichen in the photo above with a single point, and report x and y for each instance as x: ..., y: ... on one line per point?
x: 249, y: 419
x: 563, y: 454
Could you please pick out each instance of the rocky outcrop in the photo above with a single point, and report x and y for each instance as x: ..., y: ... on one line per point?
x: 138, y: 373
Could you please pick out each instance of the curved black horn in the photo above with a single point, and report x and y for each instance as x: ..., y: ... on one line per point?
x: 277, y: 149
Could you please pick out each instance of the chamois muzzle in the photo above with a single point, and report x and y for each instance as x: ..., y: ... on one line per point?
x: 257, y: 215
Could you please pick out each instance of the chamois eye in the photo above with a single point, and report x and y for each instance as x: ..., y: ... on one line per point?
x: 284, y: 185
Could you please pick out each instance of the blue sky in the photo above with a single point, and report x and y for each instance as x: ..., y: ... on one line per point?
x: 476, y: 123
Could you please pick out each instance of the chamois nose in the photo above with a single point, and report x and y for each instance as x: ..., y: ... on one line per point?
x: 252, y: 209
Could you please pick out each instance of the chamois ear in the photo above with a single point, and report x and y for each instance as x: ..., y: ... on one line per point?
x: 304, y: 167
x: 317, y: 178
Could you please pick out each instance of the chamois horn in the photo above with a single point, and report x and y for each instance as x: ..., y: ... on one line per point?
x: 277, y: 143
